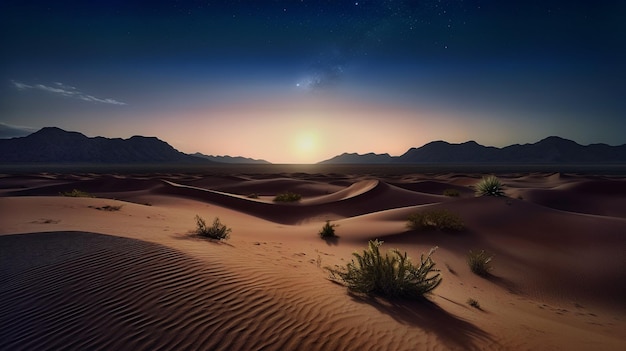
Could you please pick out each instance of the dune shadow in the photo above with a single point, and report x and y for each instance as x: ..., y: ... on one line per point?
x: 332, y: 241
x: 428, y: 316
x: 503, y: 283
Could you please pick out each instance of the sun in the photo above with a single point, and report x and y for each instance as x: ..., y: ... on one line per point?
x: 306, y: 143
x: 305, y: 146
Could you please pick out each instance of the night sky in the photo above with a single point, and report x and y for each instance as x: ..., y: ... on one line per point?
x: 301, y: 81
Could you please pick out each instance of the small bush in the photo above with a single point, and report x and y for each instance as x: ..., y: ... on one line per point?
x: 287, y: 197
x: 391, y: 275
x: 451, y: 192
x: 253, y: 196
x: 480, y: 262
x: 489, y: 186
x: 76, y: 193
x: 328, y: 230
x: 439, y: 219
x: 216, y: 231
x: 473, y: 303
x: 110, y: 208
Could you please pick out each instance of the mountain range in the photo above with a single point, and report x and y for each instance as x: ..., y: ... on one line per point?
x: 55, y: 145
x: 549, y: 150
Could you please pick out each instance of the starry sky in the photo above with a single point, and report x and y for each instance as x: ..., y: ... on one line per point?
x: 301, y: 81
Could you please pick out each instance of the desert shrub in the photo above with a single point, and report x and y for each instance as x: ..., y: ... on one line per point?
x: 439, y: 219
x: 479, y: 262
x: 489, y: 186
x: 451, y: 192
x: 391, y: 275
x: 253, y: 196
x: 328, y: 230
x: 76, y: 193
x: 473, y: 303
x: 287, y: 197
x: 216, y: 231
x: 110, y: 208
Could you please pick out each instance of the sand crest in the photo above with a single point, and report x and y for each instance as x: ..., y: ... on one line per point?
x: 76, y: 276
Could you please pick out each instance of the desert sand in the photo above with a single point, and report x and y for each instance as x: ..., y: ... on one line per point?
x: 77, y: 277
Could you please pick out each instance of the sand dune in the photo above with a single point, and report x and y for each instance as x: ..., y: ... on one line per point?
x: 75, y: 277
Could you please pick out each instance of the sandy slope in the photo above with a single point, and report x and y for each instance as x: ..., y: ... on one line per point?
x: 78, y: 277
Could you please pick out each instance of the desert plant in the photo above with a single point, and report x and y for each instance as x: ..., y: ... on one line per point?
x: 76, y: 193
x: 253, y: 196
x: 473, y: 303
x: 216, y: 231
x: 480, y: 262
x: 439, y: 219
x: 451, y: 192
x: 391, y: 275
x: 489, y: 186
x: 328, y: 230
x: 287, y: 197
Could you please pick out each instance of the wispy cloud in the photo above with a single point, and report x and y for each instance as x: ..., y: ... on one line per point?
x: 12, y: 131
x: 67, y: 91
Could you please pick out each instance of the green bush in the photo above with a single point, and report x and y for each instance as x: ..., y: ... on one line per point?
x: 76, y: 193
x: 451, y: 192
x: 391, y: 275
x: 489, y: 186
x: 287, y: 197
x: 216, y: 231
x: 328, y: 230
x: 439, y: 219
x: 480, y: 262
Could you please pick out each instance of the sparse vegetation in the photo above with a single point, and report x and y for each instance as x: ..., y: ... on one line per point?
x: 391, y: 275
x: 76, y: 193
x: 253, y: 196
x: 451, y: 192
x: 480, y: 262
x: 439, y: 219
x: 328, y: 230
x: 287, y: 197
x: 473, y: 303
x: 489, y: 186
x: 216, y: 231
x: 109, y: 208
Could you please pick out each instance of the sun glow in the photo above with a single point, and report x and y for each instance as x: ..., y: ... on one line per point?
x: 305, y: 146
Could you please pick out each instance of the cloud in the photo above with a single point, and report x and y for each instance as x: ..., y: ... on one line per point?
x: 11, y: 131
x: 59, y: 88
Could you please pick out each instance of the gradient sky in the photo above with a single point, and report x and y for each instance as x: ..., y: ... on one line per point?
x: 301, y: 81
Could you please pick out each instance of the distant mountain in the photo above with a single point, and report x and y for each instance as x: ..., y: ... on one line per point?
x: 549, y: 150
x: 55, y: 145
x: 230, y: 159
x: 347, y: 158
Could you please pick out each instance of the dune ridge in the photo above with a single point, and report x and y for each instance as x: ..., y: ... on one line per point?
x: 75, y: 277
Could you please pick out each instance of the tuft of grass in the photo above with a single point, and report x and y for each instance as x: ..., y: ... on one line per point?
x: 480, y: 262
x: 439, y: 219
x: 328, y: 230
x: 489, y: 186
x: 76, y: 193
x: 216, y: 231
x: 473, y: 303
x: 390, y: 275
x: 287, y: 197
x: 110, y: 208
x: 451, y: 192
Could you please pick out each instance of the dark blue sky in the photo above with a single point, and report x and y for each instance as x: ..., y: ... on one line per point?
x: 300, y: 81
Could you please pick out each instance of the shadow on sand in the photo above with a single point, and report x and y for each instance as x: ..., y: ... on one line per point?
x: 424, y: 314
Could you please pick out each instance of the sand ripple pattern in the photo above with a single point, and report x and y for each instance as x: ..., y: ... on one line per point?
x: 124, y: 294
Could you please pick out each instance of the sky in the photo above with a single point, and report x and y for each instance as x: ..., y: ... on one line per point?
x: 302, y: 81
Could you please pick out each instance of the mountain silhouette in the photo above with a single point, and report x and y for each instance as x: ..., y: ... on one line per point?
x: 55, y: 145
x: 549, y: 150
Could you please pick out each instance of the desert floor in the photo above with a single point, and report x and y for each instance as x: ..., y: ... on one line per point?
x: 76, y: 276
